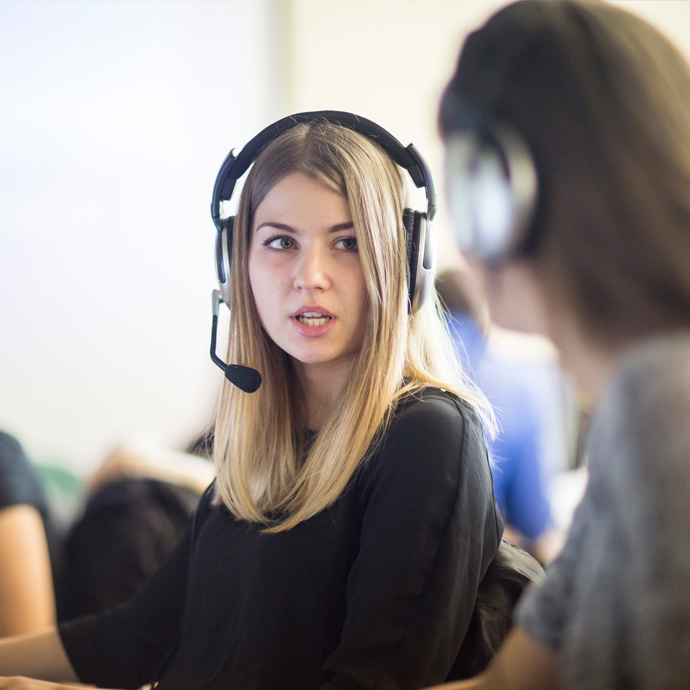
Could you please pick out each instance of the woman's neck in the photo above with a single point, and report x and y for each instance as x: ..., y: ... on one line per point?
x: 321, y: 385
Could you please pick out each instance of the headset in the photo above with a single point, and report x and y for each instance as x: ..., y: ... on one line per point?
x: 492, y: 180
x: 420, y: 245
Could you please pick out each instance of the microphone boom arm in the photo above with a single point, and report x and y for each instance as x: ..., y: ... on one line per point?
x: 245, y: 378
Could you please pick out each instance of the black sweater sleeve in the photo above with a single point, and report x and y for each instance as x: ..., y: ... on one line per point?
x: 125, y: 647
x: 430, y: 528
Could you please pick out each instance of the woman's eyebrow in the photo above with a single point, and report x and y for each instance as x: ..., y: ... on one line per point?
x: 277, y: 226
x: 341, y: 226
x: 348, y: 225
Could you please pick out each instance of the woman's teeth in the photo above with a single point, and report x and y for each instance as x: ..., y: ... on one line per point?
x: 311, y: 318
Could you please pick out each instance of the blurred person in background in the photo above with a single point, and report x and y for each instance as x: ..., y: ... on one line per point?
x: 137, y: 505
x: 27, y: 599
x: 530, y: 402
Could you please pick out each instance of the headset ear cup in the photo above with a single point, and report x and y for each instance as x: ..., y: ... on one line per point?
x: 416, y: 240
x: 421, y: 257
x: 224, y: 257
x: 426, y: 266
x: 493, y: 192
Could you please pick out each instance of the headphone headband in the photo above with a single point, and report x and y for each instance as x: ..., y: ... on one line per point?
x: 407, y: 157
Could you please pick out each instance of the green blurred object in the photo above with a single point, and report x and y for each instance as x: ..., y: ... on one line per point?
x: 63, y: 491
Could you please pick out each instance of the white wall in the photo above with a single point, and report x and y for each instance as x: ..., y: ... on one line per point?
x: 115, y: 119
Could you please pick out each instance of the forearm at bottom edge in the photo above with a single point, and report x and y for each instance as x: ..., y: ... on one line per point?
x: 36, y: 655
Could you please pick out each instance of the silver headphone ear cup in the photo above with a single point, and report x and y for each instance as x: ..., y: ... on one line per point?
x: 426, y: 263
x: 492, y: 203
x: 492, y: 188
x: 421, y: 257
x: 460, y: 153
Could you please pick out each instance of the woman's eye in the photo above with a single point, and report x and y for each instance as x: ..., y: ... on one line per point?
x: 347, y: 243
x: 281, y: 242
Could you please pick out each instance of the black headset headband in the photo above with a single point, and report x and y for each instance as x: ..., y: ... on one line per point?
x: 406, y: 157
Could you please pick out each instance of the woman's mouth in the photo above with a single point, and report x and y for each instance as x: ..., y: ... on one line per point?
x: 313, y: 318
x: 314, y: 322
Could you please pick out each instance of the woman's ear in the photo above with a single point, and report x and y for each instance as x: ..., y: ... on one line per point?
x: 514, y: 295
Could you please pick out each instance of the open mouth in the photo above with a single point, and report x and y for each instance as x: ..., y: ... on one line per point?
x: 312, y: 318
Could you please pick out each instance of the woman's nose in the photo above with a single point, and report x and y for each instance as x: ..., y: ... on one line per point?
x: 312, y: 270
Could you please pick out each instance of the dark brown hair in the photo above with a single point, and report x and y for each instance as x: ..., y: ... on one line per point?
x: 602, y: 99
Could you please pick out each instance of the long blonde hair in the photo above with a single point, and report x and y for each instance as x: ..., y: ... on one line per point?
x: 267, y: 472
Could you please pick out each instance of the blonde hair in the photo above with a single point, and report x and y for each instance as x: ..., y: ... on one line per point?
x: 267, y: 470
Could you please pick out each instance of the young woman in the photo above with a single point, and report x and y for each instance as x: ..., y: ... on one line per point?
x: 568, y: 122
x: 352, y: 517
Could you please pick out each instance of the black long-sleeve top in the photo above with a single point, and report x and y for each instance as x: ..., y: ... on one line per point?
x: 374, y: 592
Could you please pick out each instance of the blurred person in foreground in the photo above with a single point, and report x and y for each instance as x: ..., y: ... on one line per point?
x: 567, y: 132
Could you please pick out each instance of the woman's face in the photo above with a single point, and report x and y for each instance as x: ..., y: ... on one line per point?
x: 305, y: 273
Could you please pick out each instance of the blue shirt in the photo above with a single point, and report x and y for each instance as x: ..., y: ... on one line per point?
x: 524, y: 407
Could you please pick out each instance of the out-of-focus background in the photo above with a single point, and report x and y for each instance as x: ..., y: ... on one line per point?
x: 115, y: 118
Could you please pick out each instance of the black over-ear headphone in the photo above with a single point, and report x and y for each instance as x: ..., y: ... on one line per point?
x: 420, y: 241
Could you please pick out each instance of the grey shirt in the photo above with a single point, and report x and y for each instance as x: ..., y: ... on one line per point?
x: 616, y: 603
